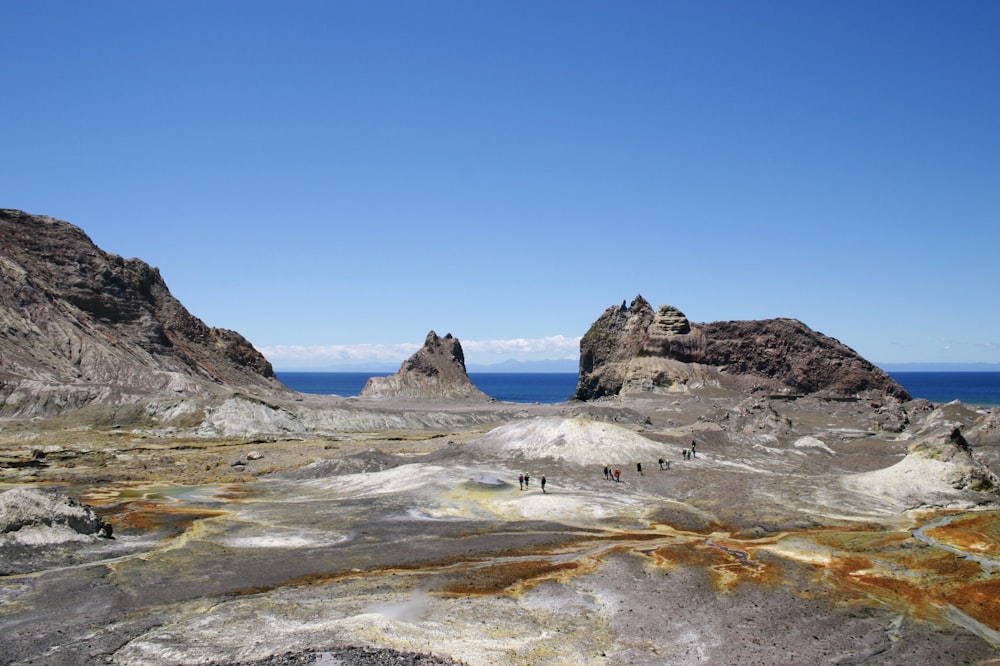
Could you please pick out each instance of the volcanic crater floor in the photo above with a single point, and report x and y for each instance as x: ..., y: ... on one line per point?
x: 763, y: 548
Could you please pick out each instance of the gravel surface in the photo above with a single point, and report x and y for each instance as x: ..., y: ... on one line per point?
x: 348, y: 656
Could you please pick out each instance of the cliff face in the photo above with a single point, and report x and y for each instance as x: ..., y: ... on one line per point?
x: 606, y: 349
x: 632, y: 349
x: 79, y: 325
x: 435, y: 371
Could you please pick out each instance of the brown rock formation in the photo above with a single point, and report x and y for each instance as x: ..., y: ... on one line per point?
x: 437, y: 370
x: 632, y: 349
x: 79, y: 325
x: 606, y: 349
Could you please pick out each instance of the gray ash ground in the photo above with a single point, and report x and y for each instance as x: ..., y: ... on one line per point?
x: 788, y: 539
x: 348, y: 656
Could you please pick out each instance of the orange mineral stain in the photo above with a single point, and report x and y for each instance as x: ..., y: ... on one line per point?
x: 980, y: 600
x: 506, y: 577
x: 147, y: 515
x: 967, y: 536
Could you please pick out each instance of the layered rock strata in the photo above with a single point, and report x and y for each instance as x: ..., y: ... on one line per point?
x: 634, y: 349
x: 435, y: 371
x: 79, y: 325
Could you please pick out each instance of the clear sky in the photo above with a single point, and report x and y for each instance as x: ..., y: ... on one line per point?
x: 334, y: 179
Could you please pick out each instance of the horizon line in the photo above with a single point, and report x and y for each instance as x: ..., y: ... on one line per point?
x: 514, y: 366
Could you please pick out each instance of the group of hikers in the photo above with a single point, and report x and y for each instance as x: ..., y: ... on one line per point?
x: 615, y: 473
x: 688, y: 454
x: 524, y: 480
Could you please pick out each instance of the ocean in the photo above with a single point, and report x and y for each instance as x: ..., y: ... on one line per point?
x: 972, y: 388
x: 527, y: 387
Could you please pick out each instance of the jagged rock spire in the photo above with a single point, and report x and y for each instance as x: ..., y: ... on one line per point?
x: 435, y: 371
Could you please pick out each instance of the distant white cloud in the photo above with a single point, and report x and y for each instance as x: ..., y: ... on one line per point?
x: 324, y: 356
x: 371, y: 356
x: 551, y: 347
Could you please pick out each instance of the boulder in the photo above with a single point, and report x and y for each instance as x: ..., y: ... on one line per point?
x: 35, y: 517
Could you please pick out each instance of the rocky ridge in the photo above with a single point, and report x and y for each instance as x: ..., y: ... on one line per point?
x: 80, y: 326
x: 632, y: 349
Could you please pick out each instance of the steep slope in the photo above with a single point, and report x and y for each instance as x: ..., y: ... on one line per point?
x: 79, y: 325
x: 632, y: 349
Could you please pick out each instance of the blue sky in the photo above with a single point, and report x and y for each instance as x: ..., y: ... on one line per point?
x: 335, y: 179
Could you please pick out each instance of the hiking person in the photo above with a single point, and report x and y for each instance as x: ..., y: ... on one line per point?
x: 638, y: 468
x: 543, y: 483
x: 520, y: 481
x: 618, y: 474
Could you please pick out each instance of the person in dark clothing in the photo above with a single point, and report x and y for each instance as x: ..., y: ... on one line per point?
x: 543, y: 483
x: 638, y: 468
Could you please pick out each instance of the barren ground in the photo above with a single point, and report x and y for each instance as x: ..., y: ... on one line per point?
x: 800, y: 533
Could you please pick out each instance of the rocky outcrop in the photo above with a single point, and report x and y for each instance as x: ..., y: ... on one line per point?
x: 986, y: 429
x: 79, y: 325
x: 971, y: 473
x: 940, y: 469
x: 632, y: 349
x: 436, y: 371
x: 33, y: 516
x: 607, y: 348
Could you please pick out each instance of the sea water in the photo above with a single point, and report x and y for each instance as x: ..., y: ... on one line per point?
x: 526, y: 387
x: 972, y: 388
